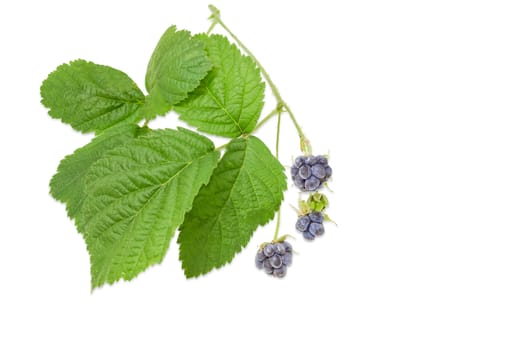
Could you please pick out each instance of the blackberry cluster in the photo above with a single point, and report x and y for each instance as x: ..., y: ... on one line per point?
x: 274, y: 258
x: 311, y: 225
x: 311, y: 172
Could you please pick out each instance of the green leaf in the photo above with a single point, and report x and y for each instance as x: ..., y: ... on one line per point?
x: 91, y: 97
x: 229, y: 100
x: 137, y: 196
x: 176, y: 67
x: 68, y: 184
x: 244, y: 192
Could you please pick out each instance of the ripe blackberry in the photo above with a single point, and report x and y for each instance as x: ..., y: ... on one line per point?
x: 309, y: 173
x: 311, y: 225
x: 274, y: 258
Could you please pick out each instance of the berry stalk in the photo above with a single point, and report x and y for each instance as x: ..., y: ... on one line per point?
x: 278, y: 224
x: 278, y: 220
x: 282, y: 105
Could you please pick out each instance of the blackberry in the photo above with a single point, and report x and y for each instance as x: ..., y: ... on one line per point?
x: 311, y: 172
x: 311, y: 225
x: 274, y: 258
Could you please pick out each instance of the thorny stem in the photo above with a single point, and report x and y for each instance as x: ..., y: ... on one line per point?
x: 305, y: 143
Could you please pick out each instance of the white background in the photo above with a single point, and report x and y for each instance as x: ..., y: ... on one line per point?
x: 418, y: 104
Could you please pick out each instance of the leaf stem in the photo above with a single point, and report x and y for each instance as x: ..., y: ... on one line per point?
x: 305, y: 142
x: 267, y: 118
x: 213, y: 24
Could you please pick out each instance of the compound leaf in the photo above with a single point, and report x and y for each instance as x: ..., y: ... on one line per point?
x: 137, y: 196
x: 244, y: 192
x: 176, y: 67
x: 91, y: 97
x: 229, y: 100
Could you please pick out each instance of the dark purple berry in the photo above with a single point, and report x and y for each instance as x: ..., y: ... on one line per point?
x: 287, y: 259
x: 274, y: 258
x: 302, y: 223
x: 309, y: 173
x: 267, y: 266
x: 316, y: 229
x: 311, y: 160
x: 312, y: 183
x: 299, y: 181
x: 260, y: 257
x: 280, y: 271
x: 269, y: 250
x: 279, y: 248
x: 294, y: 171
x: 259, y: 263
x: 328, y: 170
x: 316, y: 216
x: 305, y: 172
x: 299, y: 161
x: 319, y: 171
x: 307, y: 235
x: 322, y: 160
x: 275, y: 261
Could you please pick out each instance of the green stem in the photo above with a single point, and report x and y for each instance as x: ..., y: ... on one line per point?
x: 213, y: 24
x: 266, y: 119
x: 278, y: 221
x: 278, y: 224
x: 277, y: 135
x: 214, y: 13
x: 305, y: 143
